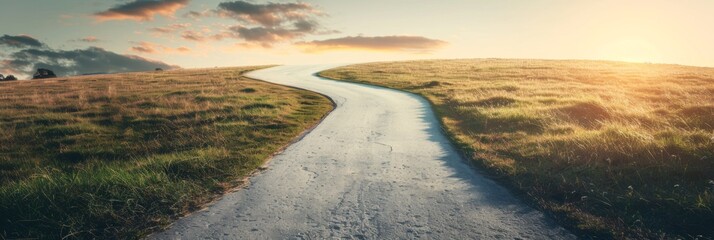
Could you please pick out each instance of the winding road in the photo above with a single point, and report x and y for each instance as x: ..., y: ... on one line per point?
x: 377, y: 167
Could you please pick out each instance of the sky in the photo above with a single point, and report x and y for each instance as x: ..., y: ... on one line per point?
x: 75, y: 37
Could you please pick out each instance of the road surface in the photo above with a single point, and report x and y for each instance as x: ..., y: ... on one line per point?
x: 377, y: 167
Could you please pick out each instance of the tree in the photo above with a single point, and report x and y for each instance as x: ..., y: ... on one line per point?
x: 44, y: 73
x: 10, y: 78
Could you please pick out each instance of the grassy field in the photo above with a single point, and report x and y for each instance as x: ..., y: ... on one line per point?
x: 119, y: 156
x: 612, y: 149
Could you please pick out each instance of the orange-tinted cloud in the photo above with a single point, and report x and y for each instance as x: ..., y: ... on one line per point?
x: 7, y: 68
x: 193, y: 36
x: 416, y: 44
x: 170, y: 28
x: 141, y: 10
x: 89, y: 39
x: 152, y: 48
x: 144, y: 47
x: 203, y: 36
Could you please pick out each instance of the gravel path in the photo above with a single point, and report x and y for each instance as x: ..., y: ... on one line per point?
x: 378, y: 167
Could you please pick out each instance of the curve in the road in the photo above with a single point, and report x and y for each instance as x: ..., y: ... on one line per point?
x: 377, y: 167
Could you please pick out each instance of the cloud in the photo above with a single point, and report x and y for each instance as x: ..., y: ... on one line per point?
x: 266, y: 36
x: 416, y: 44
x: 152, y: 48
x: 261, y: 34
x: 75, y: 62
x: 190, y: 35
x: 258, y: 24
x: 141, y: 10
x: 143, y: 47
x: 89, y: 39
x: 267, y: 15
x: 197, y: 15
x: 265, y: 24
x: 194, y: 36
x: 20, y: 41
x: 170, y: 28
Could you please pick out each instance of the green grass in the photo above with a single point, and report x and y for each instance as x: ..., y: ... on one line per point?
x: 612, y: 149
x: 120, y: 156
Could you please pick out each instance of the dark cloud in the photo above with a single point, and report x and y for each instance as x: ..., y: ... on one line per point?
x: 305, y: 26
x: 266, y: 36
x: 381, y: 43
x: 20, y: 41
x: 259, y: 24
x: 267, y: 15
x: 141, y: 10
x: 264, y: 24
x: 193, y: 14
x: 75, y: 62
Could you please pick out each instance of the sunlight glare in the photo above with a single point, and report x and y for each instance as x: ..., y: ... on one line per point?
x: 631, y: 50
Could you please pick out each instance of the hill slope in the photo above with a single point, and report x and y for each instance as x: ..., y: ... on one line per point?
x: 615, y: 149
x: 117, y: 156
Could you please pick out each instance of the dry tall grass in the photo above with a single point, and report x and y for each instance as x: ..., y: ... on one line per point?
x: 617, y: 149
x: 118, y: 156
